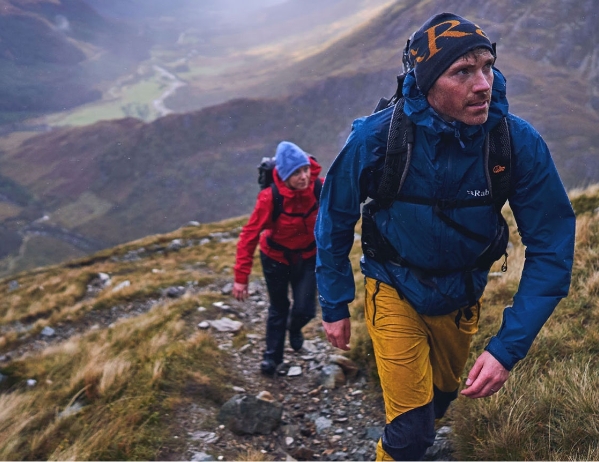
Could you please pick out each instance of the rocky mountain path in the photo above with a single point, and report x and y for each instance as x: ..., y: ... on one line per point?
x: 331, y: 409
x: 327, y: 414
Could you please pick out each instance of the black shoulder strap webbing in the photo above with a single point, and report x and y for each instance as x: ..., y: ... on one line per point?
x: 277, y: 201
x: 399, y: 153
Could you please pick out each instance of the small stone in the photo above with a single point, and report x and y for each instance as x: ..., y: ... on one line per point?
x: 104, y: 277
x: 175, y: 292
x: 31, y: 382
x: 374, y: 433
x: 204, y: 325
x: 332, y: 376
x: 175, y: 244
x: 48, y: 332
x: 288, y: 441
x: 201, y: 456
x: 226, y: 325
x: 310, y: 347
x: 322, y: 423
x: 121, y: 286
x: 294, y: 371
x: 444, y: 431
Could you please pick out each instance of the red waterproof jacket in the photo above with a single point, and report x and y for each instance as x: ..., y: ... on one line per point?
x: 293, y: 232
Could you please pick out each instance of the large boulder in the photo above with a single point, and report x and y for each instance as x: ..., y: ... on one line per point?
x: 250, y: 415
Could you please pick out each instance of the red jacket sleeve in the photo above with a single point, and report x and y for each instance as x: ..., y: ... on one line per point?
x: 250, y: 235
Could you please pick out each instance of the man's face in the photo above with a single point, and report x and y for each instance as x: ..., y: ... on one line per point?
x: 463, y: 92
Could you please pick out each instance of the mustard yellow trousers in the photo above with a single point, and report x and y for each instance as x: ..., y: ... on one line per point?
x: 420, y: 360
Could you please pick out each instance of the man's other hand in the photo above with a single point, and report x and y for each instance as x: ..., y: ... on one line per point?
x: 338, y: 333
x: 486, y: 377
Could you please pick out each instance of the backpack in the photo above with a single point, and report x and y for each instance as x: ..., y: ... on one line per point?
x: 265, y: 180
x: 498, y: 153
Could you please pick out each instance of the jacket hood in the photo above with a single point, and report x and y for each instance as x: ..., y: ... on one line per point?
x: 421, y: 113
x: 315, y: 170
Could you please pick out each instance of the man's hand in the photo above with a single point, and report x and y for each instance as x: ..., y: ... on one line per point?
x: 338, y: 333
x: 486, y: 377
x: 240, y: 291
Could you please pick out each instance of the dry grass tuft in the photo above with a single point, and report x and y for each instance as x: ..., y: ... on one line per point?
x: 105, y: 394
x: 548, y: 408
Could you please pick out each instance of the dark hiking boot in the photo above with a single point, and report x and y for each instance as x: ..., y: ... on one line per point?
x: 296, y: 339
x: 268, y: 367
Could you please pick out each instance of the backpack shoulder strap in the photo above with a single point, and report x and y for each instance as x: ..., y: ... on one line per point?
x: 277, y: 202
x: 397, y: 158
x: 317, y: 189
x: 499, y: 163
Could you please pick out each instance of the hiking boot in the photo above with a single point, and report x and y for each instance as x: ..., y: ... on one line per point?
x: 268, y: 367
x: 296, y: 339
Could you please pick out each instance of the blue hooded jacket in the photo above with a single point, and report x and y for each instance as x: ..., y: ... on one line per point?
x: 448, y: 163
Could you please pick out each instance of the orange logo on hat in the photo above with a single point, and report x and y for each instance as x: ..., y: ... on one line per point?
x: 433, y: 36
x: 498, y: 169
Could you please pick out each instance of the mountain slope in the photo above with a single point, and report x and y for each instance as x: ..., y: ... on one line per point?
x: 53, y: 54
x: 120, y: 180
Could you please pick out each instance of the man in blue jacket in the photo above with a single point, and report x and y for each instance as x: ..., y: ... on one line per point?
x: 422, y: 307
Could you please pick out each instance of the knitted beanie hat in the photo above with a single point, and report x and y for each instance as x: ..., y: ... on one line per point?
x: 441, y: 40
x: 289, y: 158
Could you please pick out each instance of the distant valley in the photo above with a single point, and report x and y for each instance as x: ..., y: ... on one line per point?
x: 116, y: 180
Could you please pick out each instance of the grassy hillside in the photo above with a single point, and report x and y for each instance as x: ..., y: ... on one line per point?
x: 109, y: 388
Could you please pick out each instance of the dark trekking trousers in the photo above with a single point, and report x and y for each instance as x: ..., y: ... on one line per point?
x: 302, y: 278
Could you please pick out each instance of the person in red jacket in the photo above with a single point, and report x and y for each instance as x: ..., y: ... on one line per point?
x: 287, y: 251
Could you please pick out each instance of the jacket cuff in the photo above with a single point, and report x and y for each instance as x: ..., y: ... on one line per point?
x: 242, y: 278
x: 332, y: 315
x: 496, y: 348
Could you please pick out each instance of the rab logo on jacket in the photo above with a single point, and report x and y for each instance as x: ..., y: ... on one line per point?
x: 498, y: 169
x: 478, y: 193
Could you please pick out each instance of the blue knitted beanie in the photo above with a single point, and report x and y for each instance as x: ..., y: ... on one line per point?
x: 441, y: 40
x: 289, y: 158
